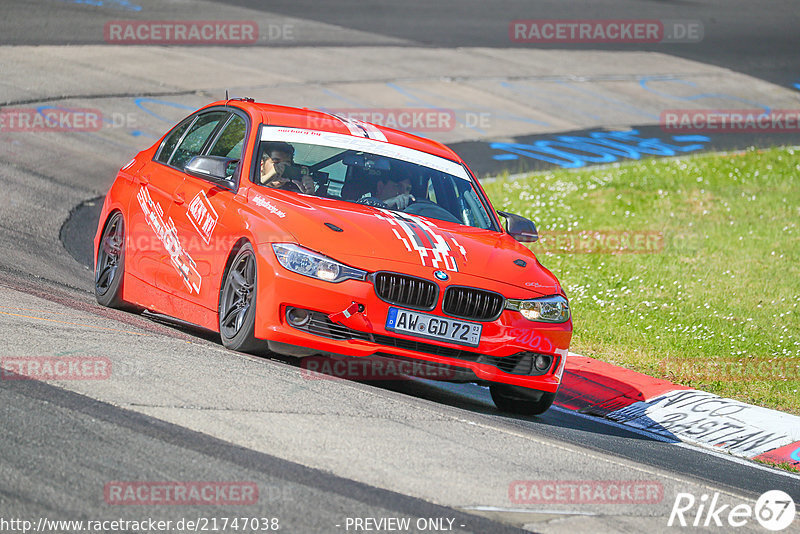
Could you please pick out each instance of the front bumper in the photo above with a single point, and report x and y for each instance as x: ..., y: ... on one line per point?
x: 503, y: 343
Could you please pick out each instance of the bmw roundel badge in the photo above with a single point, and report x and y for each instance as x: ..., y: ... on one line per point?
x: 441, y: 275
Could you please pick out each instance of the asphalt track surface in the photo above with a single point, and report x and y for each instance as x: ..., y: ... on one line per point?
x: 178, y: 407
x: 761, y: 41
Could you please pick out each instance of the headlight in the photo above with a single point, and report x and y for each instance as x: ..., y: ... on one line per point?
x: 308, y: 263
x: 553, y: 309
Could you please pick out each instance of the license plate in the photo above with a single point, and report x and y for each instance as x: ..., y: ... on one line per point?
x: 433, y: 327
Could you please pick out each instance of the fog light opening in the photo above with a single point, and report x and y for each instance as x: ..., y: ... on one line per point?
x: 297, y: 316
x: 542, y: 362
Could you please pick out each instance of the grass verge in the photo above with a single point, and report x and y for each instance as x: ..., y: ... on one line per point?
x: 684, y: 269
x: 786, y: 466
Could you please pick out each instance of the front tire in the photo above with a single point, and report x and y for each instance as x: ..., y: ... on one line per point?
x: 237, y: 302
x: 513, y: 399
x: 110, y: 263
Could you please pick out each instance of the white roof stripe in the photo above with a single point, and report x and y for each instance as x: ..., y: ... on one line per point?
x: 357, y: 142
x: 354, y: 129
x: 372, y: 131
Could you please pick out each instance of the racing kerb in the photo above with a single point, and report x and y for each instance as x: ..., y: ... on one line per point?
x: 678, y: 413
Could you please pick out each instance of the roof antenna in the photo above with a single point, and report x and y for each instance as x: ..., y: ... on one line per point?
x: 226, y: 97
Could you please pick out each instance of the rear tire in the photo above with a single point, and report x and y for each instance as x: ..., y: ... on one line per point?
x: 237, y: 302
x: 510, y: 399
x: 110, y: 263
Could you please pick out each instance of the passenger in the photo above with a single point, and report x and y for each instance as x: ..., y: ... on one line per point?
x: 278, y: 170
x: 390, y: 192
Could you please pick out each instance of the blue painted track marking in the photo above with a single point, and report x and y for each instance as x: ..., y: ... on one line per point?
x: 40, y: 110
x: 469, y: 105
x: 552, y: 102
x: 142, y: 100
x: 348, y: 100
x: 116, y: 4
x: 598, y: 147
x: 613, y: 101
x: 646, y: 81
x: 421, y: 102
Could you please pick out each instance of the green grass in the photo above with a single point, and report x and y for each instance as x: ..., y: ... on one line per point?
x: 786, y: 466
x: 717, y: 307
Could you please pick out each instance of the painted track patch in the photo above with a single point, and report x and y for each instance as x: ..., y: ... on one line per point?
x: 679, y: 413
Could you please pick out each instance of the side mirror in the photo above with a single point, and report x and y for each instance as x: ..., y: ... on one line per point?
x: 520, y: 228
x: 216, y: 169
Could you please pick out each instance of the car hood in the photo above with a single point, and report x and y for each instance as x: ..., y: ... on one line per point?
x: 376, y: 239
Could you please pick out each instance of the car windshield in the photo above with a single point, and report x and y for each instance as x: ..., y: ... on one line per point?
x: 370, y: 172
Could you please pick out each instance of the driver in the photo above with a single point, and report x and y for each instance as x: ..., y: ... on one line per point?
x: 279, y: 170
x: 390, y: 192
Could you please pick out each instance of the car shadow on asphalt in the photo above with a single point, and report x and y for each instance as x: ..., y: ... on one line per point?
x: 473, y: 398
x: 464, y: 396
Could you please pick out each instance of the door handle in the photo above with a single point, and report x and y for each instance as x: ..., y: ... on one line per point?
x: 178, y: 198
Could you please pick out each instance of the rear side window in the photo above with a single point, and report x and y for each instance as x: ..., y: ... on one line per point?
x: 172, y: 140
x: 195, y: 139
x: 230, y: 140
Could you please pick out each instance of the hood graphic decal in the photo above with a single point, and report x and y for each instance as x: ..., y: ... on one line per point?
x: 424, y: 237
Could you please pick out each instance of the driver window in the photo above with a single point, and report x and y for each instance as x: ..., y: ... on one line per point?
x: 196, y: 138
